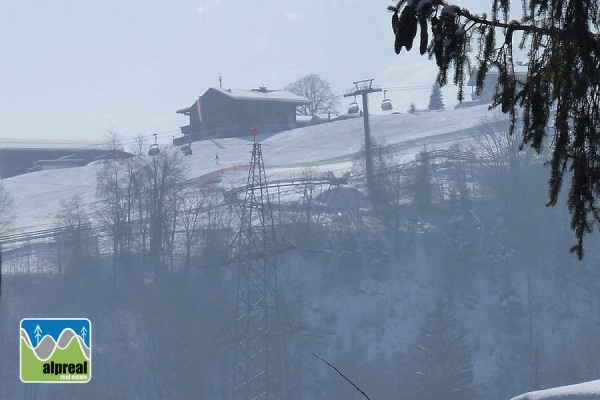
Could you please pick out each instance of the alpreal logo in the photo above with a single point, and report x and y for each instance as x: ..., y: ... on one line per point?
x: 56, y: 350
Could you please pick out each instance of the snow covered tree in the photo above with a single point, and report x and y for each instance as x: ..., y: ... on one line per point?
x: 445, y: 368
x: 557, y: 100
x: 318, y: 91
x: 436, y: 99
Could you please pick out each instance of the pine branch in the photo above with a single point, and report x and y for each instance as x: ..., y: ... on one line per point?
x: 343, y: 376
x: 512, y: 25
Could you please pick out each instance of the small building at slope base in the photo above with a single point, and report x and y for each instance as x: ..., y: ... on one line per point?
x: 20, y: 156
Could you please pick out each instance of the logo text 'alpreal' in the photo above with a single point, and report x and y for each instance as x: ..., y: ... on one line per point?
x: 56, y: 350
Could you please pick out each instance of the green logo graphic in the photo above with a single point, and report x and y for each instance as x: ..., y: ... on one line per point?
x: 56, y: 350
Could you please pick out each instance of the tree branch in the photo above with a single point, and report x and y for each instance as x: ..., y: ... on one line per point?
x: 463, y: 12
x: 343, y: 376
x: 513, y: 25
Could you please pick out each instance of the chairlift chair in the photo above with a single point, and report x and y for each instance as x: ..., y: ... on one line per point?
x: 154, y: 149
x: 353, y: 108
x: 386, y: 104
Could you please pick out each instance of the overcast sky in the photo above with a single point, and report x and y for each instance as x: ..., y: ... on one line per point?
x: 75, y: 70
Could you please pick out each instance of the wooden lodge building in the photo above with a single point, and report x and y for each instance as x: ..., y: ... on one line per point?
x: 221, y: 113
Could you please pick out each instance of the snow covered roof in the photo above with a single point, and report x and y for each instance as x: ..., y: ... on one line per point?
x: 262, y: 93
x: 186, y: 110
x: 581, y: 391
x: 520, y: 72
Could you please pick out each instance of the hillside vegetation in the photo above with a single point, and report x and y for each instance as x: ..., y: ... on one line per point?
x: 451, y: 280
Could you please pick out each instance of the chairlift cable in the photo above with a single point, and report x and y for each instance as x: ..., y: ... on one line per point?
x: 400, y: 88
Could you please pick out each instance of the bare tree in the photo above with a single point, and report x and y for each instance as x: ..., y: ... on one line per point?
x: 7, y: 215
x: 113, y: 140
x: 216, y: 226
x: 318, y: 91
x: 139, y: 200
x: 115, y: 189
x: 311, y: 213
x: 76, y: 243
x: 162, y: 176
x: 190, y: 220
x: 503, y: 162
x: 139, y: 144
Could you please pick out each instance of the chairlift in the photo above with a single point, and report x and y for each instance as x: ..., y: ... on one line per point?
x: 154, y: 149
x: 386, y: 104
x: 186, y: 149
x: 353, y: 107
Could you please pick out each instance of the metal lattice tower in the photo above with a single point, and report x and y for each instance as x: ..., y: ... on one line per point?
x: 257, y: 358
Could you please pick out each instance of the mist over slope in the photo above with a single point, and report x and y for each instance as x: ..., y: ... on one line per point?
x: 482, y: 264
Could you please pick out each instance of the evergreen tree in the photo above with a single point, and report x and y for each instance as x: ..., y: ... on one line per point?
x: 436, y: 100
x: 559, y: 90
x: 445, y: 368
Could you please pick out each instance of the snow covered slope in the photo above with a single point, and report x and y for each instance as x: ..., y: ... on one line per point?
x: 581, y: 391
x: 327, y: 147
x: 367, y: 320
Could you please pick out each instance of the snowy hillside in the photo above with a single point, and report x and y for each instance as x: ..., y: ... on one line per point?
x: 358, y: 290
x: 582, y: 391
x: 327, y: 147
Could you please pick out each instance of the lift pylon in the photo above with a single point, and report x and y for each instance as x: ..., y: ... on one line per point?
x: 258, y: 352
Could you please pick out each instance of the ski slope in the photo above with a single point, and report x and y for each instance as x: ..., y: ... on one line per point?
x: 327, y: 147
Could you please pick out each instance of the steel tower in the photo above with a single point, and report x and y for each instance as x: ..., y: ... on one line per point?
x: 257, y: 357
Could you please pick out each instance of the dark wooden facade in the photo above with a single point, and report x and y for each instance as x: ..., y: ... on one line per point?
x: 220, y: 113
x: 19, y: 160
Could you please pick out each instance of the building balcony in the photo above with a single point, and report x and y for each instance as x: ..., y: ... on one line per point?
x: 191, y: 129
